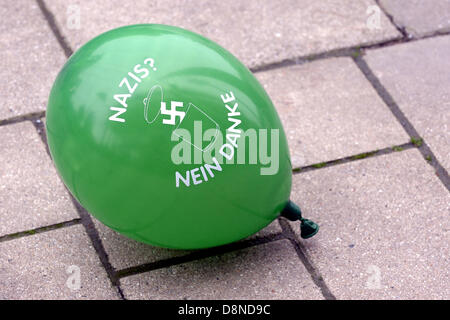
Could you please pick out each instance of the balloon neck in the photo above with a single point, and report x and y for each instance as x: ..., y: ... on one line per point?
x: 292, y: 212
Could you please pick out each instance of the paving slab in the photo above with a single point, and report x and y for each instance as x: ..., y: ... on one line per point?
x: 125, y: 253
x: 58, y: 264
x: 417, y: 75
x: 384, y: 227
x: 31, y: 194
x: 269, y: 271
x: 30, y: 58
x: 256, y: 32
x: 329, y: 110
x: 418, y: 17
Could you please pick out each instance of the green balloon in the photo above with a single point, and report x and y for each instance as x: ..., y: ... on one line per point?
x: 147, y: 127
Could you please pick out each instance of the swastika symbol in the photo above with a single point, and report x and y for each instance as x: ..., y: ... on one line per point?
x: 172, y: 112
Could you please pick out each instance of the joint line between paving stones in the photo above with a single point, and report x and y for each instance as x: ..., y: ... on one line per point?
x: 356, y: 157
x: 92, y: 232
x: 48, y: 15
x: 423, y: 147
x: 404, y: 31
x: 21, y: 234
x: 87, y: 223
x: 351, y: 52
x: 400, y: 29
x: 198, y: 255
x: 40, y: 129
x: 301, y: 252
x: 26, y: 117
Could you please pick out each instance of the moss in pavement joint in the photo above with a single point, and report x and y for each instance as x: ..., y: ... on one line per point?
x: 416, y: 141
x: 363, y: 155
x: 356, y: 53
x: 397, y: 148
x: 319, y: 165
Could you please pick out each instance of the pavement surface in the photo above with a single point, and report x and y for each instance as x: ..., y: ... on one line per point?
x: 363, y: 91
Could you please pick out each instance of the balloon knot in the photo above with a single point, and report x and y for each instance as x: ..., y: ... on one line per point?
x: 292, y: 212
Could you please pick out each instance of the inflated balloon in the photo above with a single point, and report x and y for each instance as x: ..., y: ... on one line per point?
x: 167, y: 138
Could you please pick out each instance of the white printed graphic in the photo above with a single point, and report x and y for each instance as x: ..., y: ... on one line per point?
x: 217, y: 128
x: 147, y: 103
x: 172, y: 112
x: 175, y: 114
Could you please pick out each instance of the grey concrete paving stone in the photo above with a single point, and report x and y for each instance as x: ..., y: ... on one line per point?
x: 31, y: 194
x: 269, y: 271
x: 124, y: 252
x: 329, y: 110
x: 47, y: 265
x: 384, y: 227
x: 417, y: 75
x: 257, y: 32
x: 418, y: 17
x: 30, y: 58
